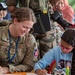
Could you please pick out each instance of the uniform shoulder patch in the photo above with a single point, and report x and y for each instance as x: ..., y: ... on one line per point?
x: 35, y: 53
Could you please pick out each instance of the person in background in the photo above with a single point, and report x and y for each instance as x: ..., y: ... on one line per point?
x: 67, y: 14
x: 11, y: 6
x: 3, y: 11
x: 63, y: 6
x: 18, y: 48
x: 61, y: 53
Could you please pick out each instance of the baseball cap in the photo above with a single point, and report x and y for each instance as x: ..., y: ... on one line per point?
x: 3, y: 6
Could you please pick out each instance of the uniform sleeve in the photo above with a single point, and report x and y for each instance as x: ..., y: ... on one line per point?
x: 31, y: 56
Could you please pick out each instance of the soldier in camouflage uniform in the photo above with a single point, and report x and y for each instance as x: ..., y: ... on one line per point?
x: 18, y: 48
x: 52, y: 37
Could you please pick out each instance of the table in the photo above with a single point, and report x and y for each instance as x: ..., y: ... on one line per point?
x: 23, y: 73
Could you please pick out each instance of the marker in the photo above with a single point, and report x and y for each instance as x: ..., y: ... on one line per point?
x: 67, y: 70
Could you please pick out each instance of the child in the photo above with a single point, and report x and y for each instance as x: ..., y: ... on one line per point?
x: 61, y: 53
x: 3, y: 11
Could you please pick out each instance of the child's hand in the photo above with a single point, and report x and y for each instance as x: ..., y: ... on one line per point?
x: 41, y: 72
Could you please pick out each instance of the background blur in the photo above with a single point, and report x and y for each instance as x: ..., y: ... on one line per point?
x: 71, y: 2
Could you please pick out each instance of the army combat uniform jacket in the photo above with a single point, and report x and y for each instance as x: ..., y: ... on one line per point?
x: 18, y: 54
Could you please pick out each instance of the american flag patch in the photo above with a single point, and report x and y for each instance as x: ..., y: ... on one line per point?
x: 35, y: 53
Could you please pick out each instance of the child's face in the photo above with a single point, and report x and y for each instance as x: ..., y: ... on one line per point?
x: 1, y: 16
x: 3, y: 13
x: 59, y: 5
x: 11, y: 8
x: 65, y: 47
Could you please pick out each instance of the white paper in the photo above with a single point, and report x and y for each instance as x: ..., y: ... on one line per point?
x: 31, y: 74
x: 35, y: 74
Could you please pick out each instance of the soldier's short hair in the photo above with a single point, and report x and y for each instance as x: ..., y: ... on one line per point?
x: 69, y: 37
x: 11, y: 2
x: 23, y: 14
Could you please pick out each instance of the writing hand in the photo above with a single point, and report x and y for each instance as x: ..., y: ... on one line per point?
x: 41, y: 72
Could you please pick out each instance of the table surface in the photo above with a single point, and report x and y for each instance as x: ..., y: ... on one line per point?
x: 23, y: 73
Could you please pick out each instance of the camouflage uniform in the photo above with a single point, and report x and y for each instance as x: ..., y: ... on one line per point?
x: 25, y: 55
x: 51, y: 39
x: 5, y: 22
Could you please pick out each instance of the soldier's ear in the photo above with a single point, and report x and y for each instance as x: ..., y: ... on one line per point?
x: 15, y: 20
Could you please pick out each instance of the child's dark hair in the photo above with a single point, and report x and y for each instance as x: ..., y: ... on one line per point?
x: 69, y: 37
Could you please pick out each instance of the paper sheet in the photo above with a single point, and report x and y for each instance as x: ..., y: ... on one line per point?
x: 35, y: 74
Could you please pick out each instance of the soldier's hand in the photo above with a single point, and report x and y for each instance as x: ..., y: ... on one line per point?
x: 4, y: 70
